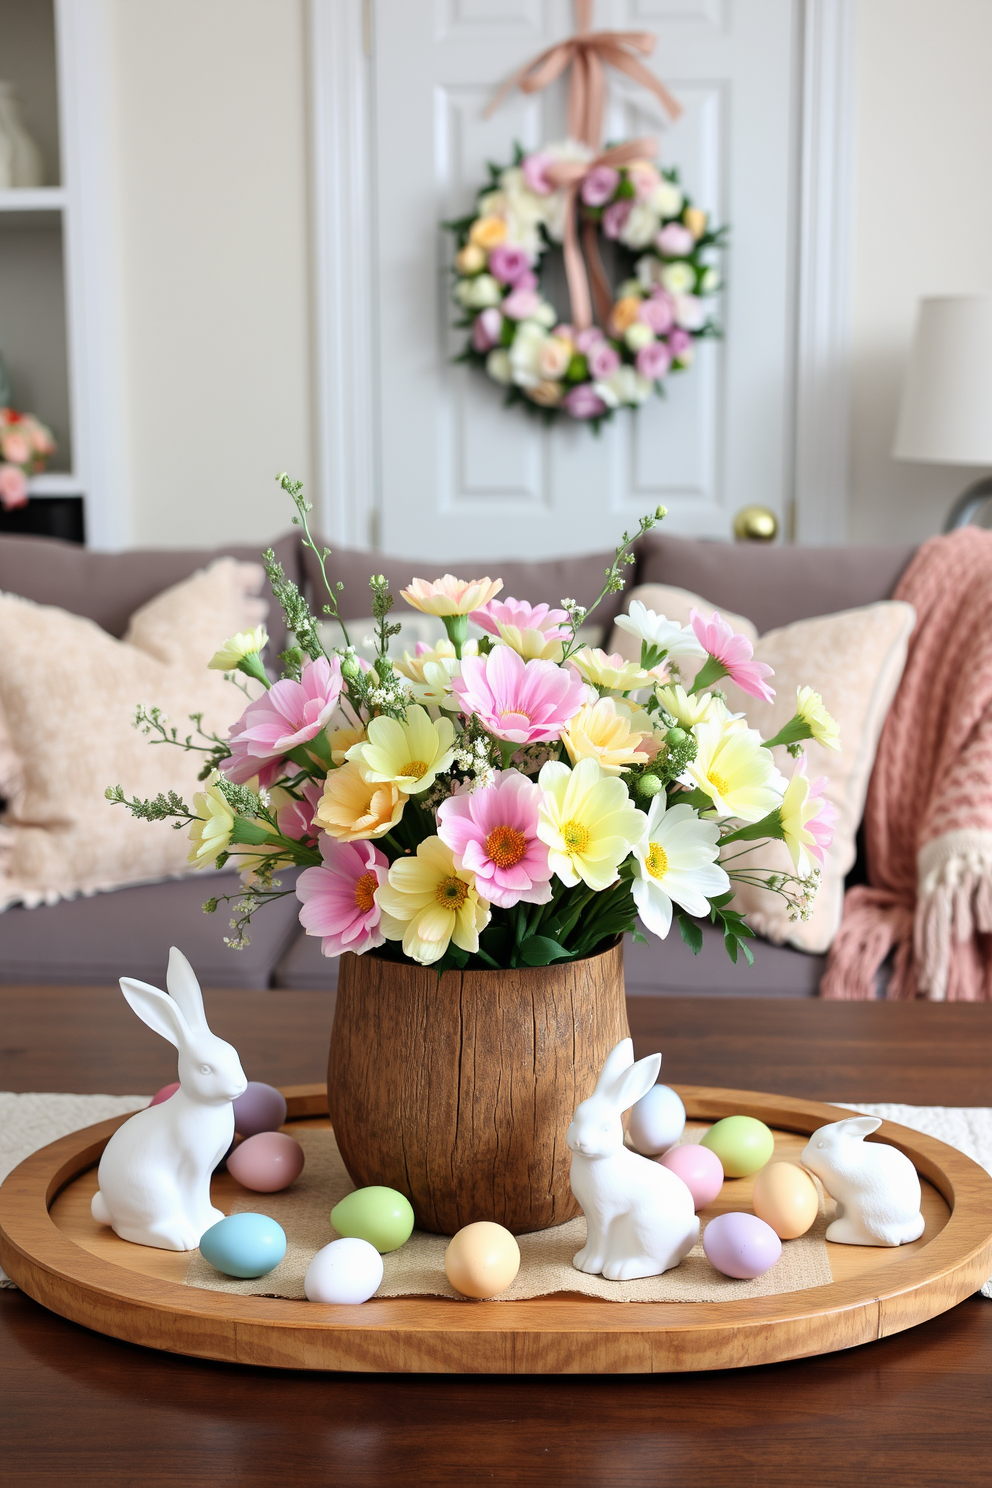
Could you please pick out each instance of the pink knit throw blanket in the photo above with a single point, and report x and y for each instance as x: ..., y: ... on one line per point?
x: 928, y: 817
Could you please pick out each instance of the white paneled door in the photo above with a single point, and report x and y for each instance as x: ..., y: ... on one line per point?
x: 459, y: 475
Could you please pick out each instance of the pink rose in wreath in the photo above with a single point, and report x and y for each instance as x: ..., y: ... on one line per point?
x: 679, y: 342
x: 675, y: 241
x: 586, y: 340
x: 657, y: 312
x: 653, y: 361
x: 13, y: 487
x: 521, y: 304
x: 486, y: 329
x: 599, y: 185
x: 508, y: 264
x: 583, y: 403
x: 603, y: 360
x: 615, y: 217
x: 535, y: 169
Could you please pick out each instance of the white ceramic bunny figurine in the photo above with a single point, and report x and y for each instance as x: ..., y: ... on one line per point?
x: 155, y: 1170
x: 875, y: 1186
x: 640, y: 1217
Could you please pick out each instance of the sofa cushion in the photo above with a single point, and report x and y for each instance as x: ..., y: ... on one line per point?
x: 548, y: 581
x: 302, y: 968
x: 772, y: 585
x: 109, y: 587
x: 95, y: 940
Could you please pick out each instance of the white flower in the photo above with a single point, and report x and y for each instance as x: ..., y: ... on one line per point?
x: 735, y: 770
x: 712, y: 280
x: 629, y: 287
x: 463, y: 292
x: 677, y: 641
x: 677, y: 861
x: 679, y: 278
x: 525, y: 353
x: 626, y: 385
x: 638, y: 335
x: 641, y: 226
x: 648, y: 270
x: 666, y: 199
x: 690, y: 312
x: 493, y: 204
x: 483, y: 292
x: 499, y: 367
x: 545, y: 315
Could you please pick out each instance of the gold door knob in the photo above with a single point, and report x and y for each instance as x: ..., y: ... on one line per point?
x: 755, y: 524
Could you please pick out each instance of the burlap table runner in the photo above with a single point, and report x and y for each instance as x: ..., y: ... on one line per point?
x: 417, y: 1269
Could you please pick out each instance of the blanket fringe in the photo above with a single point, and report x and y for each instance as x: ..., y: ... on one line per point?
x: 954, y: 904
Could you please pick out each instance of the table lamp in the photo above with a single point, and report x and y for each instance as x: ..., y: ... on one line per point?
x: 946, y: 411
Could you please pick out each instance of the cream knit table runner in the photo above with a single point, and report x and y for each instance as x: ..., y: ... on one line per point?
x: 28, y: 1122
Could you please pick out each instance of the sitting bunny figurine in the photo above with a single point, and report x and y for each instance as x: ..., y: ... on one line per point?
x: 155, y: 1170
x: 640, y: 1217
x: 875, y: 1186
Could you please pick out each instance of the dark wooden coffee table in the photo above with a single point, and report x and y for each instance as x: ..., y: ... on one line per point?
x: 912, y: 1410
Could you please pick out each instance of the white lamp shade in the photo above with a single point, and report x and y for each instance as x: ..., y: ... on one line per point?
x: 946, y: 412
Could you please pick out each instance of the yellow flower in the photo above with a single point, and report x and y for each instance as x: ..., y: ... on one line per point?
x: 430, y: 672
x: 546, y: 394
x: 695, y: 220
x: 451, y: 596
x: 354, y: 808
x: 470, y: 260
x: 610, y: 672
x: 625, y: 312
x: 822, y: 728
x: 487, y: 232
x: 603, y: 732
x: 734, y: 770
x: 795, y: 811
x: 690, y: 708
x: 409, y: 754
x: 429, y: 901
x: 210, y: 834
x: 234, y: 650
x: 587, y: 822
x: 341, y: 740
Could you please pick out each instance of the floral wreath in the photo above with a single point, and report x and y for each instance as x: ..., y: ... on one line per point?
x: 648, y: 326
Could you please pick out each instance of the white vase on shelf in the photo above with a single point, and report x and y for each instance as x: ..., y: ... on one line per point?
x: 21, y: 164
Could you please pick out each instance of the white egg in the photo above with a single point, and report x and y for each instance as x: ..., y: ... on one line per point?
x: 657, y: 1121
x: 347, y: 1270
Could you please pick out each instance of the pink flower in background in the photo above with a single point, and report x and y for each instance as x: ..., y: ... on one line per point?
x: 583, y: 403
x: 13, y: 487
x: 295, y: 819
x: 493, y: 832
x: 527, y: 281
x: 565, y: 332
x: 645, y: 177
x: 508, y: 264
x: 486, y: 329
x: 678, y: 342
x: 603, y: 360
x: 339, y: 898
x: 733, y: 653
x: 521, y: 304
x: 823, y: 824
x: 615, y: 217
x: 586, y: 340
x: 599, y: 185
x: 657, y: 312
x: 653, y: 361
x: 525, y: 702
x: 15, y: 447
x: 675, y: 241
x: 290, y: 713
x: 690, y: 312
x: 534, y: 168
x: 523, y: 615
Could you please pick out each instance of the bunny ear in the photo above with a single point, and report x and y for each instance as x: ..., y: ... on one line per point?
x: 860, y: 1126
x: 184, y: 987
x: 157, y: 1010
x: 620, y: 1058
x: 636, y: 1081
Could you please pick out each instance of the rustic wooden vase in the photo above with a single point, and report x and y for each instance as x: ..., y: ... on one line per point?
x: 459, y: 1091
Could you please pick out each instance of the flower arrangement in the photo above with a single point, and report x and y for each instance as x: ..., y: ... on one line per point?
x: 521, y: 799
x: 650, y: 324
x: 25, y: 446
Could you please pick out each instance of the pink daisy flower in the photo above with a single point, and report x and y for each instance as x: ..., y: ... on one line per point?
x: 290, y: 713
x: 493, y: 832
x: 524, y: 702
x: 823, y: 824
x: 522, y: 616
x: 730, y: 656
x: 241, y: 767
x: 339, y: 899
x: 295, y: 819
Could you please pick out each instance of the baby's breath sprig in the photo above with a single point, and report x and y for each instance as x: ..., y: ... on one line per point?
x: 382, y: 603
x: 798, y: 893
x: 615, y: 579
x: 298, y: 617
x: 160, y: 808
x: 294, y: 490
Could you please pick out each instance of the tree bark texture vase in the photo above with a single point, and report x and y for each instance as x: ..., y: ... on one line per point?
x: 458, y: 1091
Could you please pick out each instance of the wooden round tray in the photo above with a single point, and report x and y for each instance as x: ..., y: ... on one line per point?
x: 55, y: 1252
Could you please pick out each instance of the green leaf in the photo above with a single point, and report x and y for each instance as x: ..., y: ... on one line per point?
x: 638, y: 938
x: 691, y: 934
x: 541, y: 950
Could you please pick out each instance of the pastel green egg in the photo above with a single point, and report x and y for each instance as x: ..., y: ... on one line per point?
x: 742, y: 1143
x: 379, y: 1215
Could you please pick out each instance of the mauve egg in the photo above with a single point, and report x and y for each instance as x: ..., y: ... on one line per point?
x: 266, y: 1162
x: 700, y: 1170
x: 741, y: 1245
x: 164, y: 1093
x: 261, y: 1108
x: 656, y: 1121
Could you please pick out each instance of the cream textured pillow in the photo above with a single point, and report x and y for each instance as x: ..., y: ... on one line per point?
x: 855, y: 660
x: 68, y: 691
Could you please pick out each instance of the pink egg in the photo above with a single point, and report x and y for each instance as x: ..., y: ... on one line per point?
x: 700, y: 1170
x: 741, y: 1245
x: 266, y: 1162
x: 164, y: 1093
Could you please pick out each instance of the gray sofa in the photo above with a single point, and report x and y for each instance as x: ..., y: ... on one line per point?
x: 90, y: 940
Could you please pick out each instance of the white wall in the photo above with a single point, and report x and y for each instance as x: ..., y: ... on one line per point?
x: 211, y: 118
x: 923, y: 227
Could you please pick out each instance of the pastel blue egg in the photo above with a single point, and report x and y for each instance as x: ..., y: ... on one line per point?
x: 244, y: 1244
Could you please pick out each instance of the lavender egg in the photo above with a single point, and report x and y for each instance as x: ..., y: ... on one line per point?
x: 741, y: 1245
x: 267, y: 1162
x: 261, y: 1108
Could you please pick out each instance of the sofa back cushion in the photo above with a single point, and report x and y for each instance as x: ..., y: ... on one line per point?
x: 773, y: 585
x: 108, y: 587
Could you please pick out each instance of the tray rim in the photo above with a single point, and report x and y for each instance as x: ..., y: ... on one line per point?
x: 540, y: 1335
